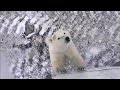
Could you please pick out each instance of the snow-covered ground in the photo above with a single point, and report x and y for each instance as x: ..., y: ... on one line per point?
x: 95, y: 33
x: 96, y: 73
x: 4, y: 68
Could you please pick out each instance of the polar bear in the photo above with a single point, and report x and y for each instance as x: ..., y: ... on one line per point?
x: 61, y: 47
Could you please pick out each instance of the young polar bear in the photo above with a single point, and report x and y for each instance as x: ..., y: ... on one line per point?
x: 61, y: 47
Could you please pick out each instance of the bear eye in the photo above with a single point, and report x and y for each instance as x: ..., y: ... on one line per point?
x: 58, y: 38
x: 64, y: 33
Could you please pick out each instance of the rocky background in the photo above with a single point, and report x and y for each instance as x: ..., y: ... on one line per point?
x: 95, y: 33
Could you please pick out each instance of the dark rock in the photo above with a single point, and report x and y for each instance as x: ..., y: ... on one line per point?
x: 28, y: 45
x: 40, y: 47
x: 39, y: 66
x: 41, y: 52
x: 28, y: 29
x: 2, y: 21
x: 119, y: 44
x: 106, y: 63
x: 21, y: 19
x: 2, y: 39
x: 22, y: 46
x: 25, y: 46
x: 23, y: 66
x: 13, y: 45
x: 48, y: 57
x: 48, y: 76
x: 116, y: 64
x: 30, y: 60
x: 96, y: 65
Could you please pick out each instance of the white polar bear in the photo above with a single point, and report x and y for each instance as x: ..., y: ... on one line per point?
x: 61, y: 47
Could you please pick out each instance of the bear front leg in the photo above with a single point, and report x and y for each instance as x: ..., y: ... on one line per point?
x: 78, y: 62
x: 59, y: 65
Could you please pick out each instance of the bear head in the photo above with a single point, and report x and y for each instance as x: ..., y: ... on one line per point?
x: 60, y: 40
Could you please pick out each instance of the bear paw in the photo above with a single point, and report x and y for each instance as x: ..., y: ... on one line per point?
x: 61, y: 71
x: 80, y: 69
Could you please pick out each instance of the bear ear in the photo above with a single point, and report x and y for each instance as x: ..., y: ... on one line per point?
x: 48, y: 40
x: 54, y: 37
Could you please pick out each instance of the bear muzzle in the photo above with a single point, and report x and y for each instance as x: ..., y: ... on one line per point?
x: 67, y: 39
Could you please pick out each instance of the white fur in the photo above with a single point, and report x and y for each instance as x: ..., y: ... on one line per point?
x: 59, y: 50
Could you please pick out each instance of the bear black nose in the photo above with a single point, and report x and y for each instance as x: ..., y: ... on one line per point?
x: 67, y: 39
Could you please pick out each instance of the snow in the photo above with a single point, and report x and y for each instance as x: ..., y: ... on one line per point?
x: 45, y: 27
x: 105, y: 59
x: 84, y: 13
x: 26, y: 41
x: 35, y: 18
x: 13, y: 24
x: 4, y: 69
x: 103, y: 73
x: 94, y: 50
x: 35, y: 59
x: 117, y: 14
x: 43, y: 71
x: 92, y: 14
x: 30, y: 35
x: 44, y: 63
x: 21, y: 26
x: 75, y: 12
x: 113, y: 28
x: 88, y: 54
x: 1, y: 17
x: 118, y: 37
x: 93, y: 32
x: 51, y: 31
x: 108, y: 12
x: 41, y: 21
x: 28, y: 69
x: 11, y: 67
